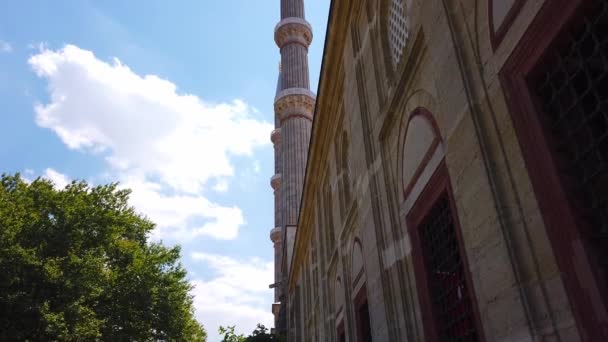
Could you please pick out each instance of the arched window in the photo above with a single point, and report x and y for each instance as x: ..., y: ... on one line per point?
x: 398, y: 31
x: 338, y: 306
x: 444, y: 286
x: 363, y: 319
x: 357, y: 265
x: 557, y: 85
x: 421, y: 152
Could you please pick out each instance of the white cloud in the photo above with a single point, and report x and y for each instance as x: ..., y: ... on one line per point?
x: 143, y: 121
x: 5, y: 46
x: 166, y: 146
x: 238, y: 292
x: 221, y: 185
x: 59, y: 179
x: 174, y: 214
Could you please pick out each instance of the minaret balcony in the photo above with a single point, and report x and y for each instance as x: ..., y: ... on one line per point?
x: 275, y: 181
x: 275, y: 136
x: 293, y: 30
x: 294, y: 102
x: 275, y: 234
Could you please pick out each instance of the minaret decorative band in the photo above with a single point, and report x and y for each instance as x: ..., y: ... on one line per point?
x: 293, y: 30
x: 294, y: 102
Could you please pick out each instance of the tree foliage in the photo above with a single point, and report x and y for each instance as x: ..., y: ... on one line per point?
x: 228, y: 334
x: 260, y: 334
x: 75, y: 265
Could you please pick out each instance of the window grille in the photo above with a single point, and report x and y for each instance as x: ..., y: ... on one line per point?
x: 398, y: 29
x: 364, y: 322
x: 571, y: 86
x: 452, y: 307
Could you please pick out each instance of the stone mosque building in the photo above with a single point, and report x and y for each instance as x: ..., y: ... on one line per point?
x: 449, y: 181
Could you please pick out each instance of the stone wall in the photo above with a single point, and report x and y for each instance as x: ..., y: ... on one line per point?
x: 354, y: 193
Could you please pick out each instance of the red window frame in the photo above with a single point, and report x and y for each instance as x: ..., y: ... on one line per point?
x: 341, y: 332
x: 438, y: 186
x: 497, y: 34
x: 587, y: 297
x: 360, y: 301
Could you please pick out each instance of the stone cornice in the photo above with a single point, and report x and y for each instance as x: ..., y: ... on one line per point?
x: 275, y: 234
x: 275, y: 136
x: 330, y: 92
x: 293, y: 30
x: 294, y: 102
x: 275, y: 181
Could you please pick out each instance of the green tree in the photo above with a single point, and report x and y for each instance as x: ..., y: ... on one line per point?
x: 228, y: 334
x: 261, y: 334
x: 75, y: 265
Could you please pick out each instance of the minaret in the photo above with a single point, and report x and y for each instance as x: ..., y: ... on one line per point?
x: 293, y: 105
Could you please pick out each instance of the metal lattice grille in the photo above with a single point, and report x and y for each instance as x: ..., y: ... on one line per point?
x: 572, y: 88
x: 398, y: 29
x: 452, y: 308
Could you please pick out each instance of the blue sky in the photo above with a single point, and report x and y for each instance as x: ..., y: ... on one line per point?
x: 171, y: 98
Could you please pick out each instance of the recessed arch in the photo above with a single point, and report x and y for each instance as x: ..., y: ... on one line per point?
x: 357, y: 267
x: 420, y: 148
x: 338, y: 296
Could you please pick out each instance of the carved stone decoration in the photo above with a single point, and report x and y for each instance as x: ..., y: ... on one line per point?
x: 293, y: 30
x: 295, y: 102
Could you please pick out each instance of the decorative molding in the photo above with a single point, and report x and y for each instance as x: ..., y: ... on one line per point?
x: 293, y: 30
x: 294, y: 102
x: 330, y: 85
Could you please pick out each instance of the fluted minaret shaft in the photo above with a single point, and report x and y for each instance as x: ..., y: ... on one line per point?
x: 292, y: 8
x: 294, y: 104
